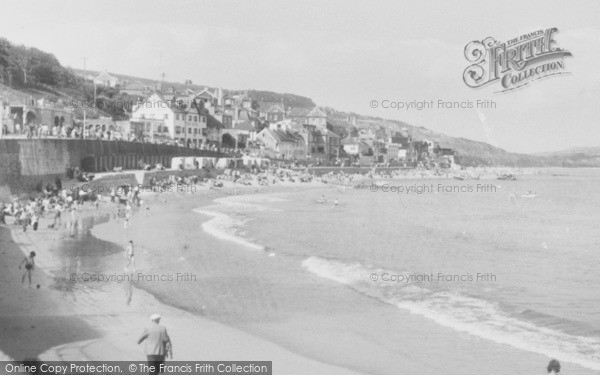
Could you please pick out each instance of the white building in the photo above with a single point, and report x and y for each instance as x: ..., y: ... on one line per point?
x: 105, y: 79
x: 163, y: 121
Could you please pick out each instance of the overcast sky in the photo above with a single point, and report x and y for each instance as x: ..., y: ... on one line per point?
x: 341, y: 54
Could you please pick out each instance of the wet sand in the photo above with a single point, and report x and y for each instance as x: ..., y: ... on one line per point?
x: 66, y: 321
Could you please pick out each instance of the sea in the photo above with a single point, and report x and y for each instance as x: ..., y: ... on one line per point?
x: 508, y: 262
x: 512, y: 262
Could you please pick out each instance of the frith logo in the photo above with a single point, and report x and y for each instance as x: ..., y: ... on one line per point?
x: 515, y: 63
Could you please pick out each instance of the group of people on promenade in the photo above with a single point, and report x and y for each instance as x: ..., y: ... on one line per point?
x: 32, y: 130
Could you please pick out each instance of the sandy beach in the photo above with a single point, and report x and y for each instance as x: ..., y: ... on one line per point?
x: 91, y: 321
x: 56, y: 322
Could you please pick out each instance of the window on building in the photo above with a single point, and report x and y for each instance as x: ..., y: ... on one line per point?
x: 195, y: 131
x: 189, y: 130
x: 321, y: 149
x: 203, y: 119
x: 204, y: 132
x: 196, y: 118
x: 190, y: 118
x: 177, y: 129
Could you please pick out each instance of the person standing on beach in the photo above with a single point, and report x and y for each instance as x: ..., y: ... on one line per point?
x: 24, y: 218
x: 129, y: 256
x: 127, y: 216
x: 29, y: 265
x: 34, y: 221
x: 158, y: 343
x: 57, y: 210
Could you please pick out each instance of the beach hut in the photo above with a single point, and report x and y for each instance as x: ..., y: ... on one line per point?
x: 176, y: 163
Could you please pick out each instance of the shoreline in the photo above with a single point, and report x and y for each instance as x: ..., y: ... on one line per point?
x: 116, y: 326
x: 526, y: 361
x: 176, y: 320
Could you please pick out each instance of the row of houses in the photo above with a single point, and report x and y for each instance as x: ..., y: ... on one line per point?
x: 213, y: 117
x: 397, y: 146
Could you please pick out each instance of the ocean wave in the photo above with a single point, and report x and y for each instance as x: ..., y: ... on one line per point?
x: 462, y: 313
x: 225, y: 226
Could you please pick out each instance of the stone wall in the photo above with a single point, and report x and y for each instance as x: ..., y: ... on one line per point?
x: 27, y: 164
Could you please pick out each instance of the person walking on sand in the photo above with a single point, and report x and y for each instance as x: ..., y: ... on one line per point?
x: 129, y: 256
x: 29, y: 265
x: 158, y: 343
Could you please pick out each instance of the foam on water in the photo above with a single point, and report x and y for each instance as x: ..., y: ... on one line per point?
x: 224, y: 226
x: 460, y: 312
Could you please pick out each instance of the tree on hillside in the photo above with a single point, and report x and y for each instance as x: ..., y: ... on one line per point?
x: 22, y: 60
x: 45, y: 67
x: 4, y: 65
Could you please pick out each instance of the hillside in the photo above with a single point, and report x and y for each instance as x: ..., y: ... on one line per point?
x: 575, y: 157
x: 290, y: 100
x: 28, y: 72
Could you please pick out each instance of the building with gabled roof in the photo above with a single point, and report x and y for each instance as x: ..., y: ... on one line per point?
x: 135, y: 88
x: 285, y: 144
x: 105, y: 79
x: 214, y: 129
x: 354, y: 146
x: 165, y: 119
x: 271, y: 111
x: 299, y: 115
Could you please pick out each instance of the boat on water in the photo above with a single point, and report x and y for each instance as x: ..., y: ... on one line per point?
x: 529, y: 195
x: 462, y: 176
x: 507, y: 177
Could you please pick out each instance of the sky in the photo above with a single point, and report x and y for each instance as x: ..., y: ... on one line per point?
x: 342, y: 54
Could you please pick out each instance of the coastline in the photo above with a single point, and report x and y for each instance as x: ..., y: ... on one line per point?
x: 410, y: 327
x: 40, y: 323
x: 116, y: 325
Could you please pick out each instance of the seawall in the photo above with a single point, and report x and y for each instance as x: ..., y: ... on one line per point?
x: 28, y: 164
